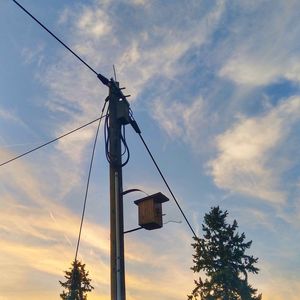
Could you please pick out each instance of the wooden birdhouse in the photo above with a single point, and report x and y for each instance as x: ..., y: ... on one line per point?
x: 150, y: 211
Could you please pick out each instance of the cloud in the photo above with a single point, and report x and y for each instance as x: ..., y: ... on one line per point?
x: 262, y: 44
x: 139, y: 2
x: 154, y: 48
x: 243, y: 69
x: 277, y: 285
x: 31, y: 213
x: 179, y: 119
x: 262, y: 218
x: 31, y: 55
x: 246, y: 162
x: 93, y: 23
x: 158, y: 54
x: 39, y: 234
x: 142, y: 50
x: 10, y: 116
x: 248, y: 69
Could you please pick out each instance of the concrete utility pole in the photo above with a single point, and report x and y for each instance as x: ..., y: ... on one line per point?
x: 118, y: 116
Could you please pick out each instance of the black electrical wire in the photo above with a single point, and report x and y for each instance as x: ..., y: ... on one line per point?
x: 106, y: 138
x: 103, y: 79
x: 88, y: 181
x: 54, y: 140
x: 106, y: 82
x: 124, y: 136
x: 167, y: 185
x: 133, y: 190
x: 126, y: 148
x: 126, y: 151
x: 138, y: 131
x: 132, y: 230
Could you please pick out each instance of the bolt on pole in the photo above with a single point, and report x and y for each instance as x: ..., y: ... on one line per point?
x: 116, y: 198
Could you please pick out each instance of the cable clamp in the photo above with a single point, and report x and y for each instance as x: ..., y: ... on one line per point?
x: 103, y: 79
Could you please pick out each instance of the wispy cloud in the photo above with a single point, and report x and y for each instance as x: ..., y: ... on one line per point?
x: 246, y: 150
x: 31, y: 55
x: 155, y: 47
x: 263, y: 48
x: 10, y: 116
x: 93, y: 23
x: 181, y: 120
x: 38, y: 235
x: 159, y: 52
x: 278, y: 285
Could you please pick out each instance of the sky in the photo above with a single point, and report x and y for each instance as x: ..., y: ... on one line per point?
x: 215, y: 88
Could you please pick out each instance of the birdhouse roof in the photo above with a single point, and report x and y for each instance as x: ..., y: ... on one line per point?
x: 158, y: 198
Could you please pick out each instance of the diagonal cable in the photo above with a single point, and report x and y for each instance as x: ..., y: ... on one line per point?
x: 45, y: 144
x: 103, y: 79
x: 51, y: 33
x: 167, y: 185
x: 88, y: 181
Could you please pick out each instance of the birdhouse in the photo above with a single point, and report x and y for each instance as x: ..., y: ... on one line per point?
x: 150, y: 211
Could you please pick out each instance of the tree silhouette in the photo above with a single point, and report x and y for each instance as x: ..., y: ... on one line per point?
x: 220, y: 254
x: 77, y: 283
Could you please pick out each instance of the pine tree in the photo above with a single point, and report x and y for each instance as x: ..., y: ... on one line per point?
x: 77, y: 283
x: 220, y: 254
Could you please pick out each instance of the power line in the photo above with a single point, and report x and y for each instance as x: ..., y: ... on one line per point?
x: 45, y: 144
x: 166, y: 183
x: 88, y: 181
x: 103, y: 79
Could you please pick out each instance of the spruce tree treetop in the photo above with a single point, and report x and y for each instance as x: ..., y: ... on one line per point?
x: 221, y: 256
x: 77, y: 282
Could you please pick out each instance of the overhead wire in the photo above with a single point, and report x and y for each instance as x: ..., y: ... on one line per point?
x: 138, y: 131
x: 51, y: 33
x: 167, y: 185
x: 126, y: 148
x: 103, y: 79
x: 126, y: 151
x: 88, y: 181
x: 49, y: 142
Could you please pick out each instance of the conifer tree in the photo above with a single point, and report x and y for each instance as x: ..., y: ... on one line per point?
x: 221, y: 256
x: 77, y: 283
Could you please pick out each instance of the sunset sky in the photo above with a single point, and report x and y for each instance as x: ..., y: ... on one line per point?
x: 215, y: 88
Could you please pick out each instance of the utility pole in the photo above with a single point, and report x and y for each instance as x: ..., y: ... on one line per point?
x: 118, y: 116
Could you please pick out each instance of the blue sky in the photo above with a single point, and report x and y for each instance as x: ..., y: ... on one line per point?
x: 215, y: 88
